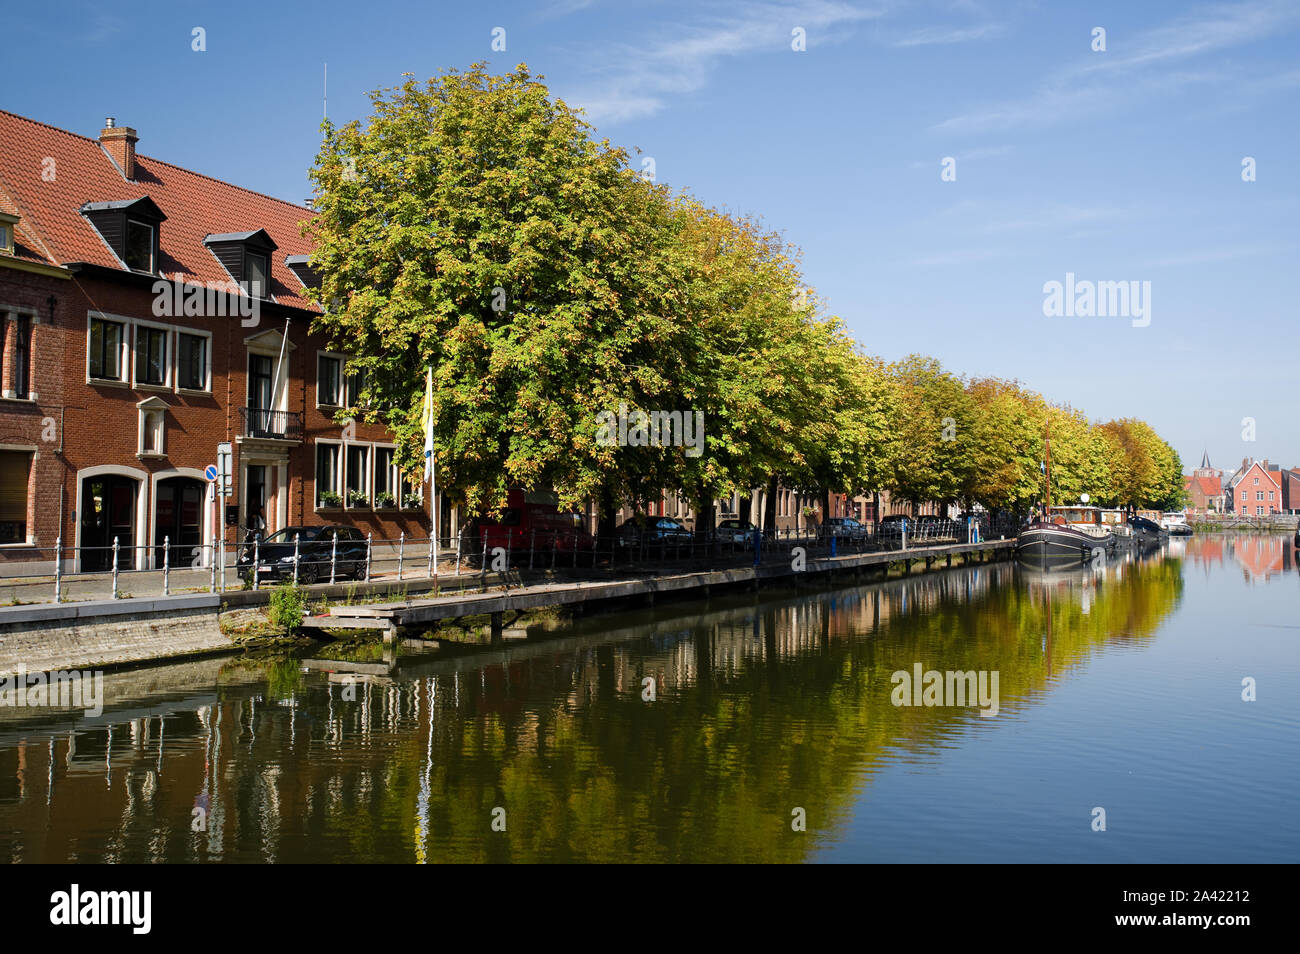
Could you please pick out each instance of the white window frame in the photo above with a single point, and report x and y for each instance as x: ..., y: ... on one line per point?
x: 207, y: 361
x: 339, y: 483
x: 6, y: 237
x: 394, y: 476
x: 168, y: 355
x: 342, y: 359
x: 366, y: 475
x: 33, y: 455
x: 125, y: 353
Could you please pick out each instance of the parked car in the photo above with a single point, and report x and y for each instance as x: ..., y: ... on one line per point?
x: 928, y: 527
x: 532, y: 520
x: 893, y: 526
x: 316, y: 545
x: 652, y: 532
x: 844, y: 528
x: 735, y: 532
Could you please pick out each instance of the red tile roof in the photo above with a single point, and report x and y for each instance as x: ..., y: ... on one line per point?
x: 53, y: 229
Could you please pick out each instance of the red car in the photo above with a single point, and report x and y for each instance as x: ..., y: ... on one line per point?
x: 533, y: 520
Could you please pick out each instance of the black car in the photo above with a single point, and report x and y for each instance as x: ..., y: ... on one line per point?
x: 844, y: 528
x: 652, y: 531
x: 893, y: 526
x: 316, y: 545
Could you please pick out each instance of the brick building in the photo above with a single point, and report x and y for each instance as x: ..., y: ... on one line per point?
x: 150, y: 313
x: 1204, y: 487
x: 1255, y: 490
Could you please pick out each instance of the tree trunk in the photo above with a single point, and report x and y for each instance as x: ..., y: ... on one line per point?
x: 706, y: 515
x: 769, y: 505
x: 605, y: 528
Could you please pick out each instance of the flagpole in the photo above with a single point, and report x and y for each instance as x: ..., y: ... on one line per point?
x: 431, y: 464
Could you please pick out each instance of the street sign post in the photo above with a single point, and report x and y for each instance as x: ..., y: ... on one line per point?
x: 224, y: 452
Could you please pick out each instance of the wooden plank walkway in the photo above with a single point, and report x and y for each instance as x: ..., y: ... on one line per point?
x: 389, y: 617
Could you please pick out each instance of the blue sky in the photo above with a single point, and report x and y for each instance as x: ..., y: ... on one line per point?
x: 1122, y: 165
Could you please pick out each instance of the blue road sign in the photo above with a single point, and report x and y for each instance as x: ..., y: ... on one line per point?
x: 210, y: 472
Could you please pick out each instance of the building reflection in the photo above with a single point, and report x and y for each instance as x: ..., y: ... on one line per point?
x: 679, y: 732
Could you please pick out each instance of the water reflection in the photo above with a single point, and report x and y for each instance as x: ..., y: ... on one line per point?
x: 761, y: 705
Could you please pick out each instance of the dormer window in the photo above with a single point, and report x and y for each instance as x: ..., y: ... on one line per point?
x: 140, y: 246
x: 246, y: 256
x: 7, y: 223
x: 130, y: 227
x: 256, y: 274
x: 300, y: 265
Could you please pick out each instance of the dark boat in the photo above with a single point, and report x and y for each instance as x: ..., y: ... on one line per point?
x: 1049, y: 542
x: 1046, y: 543
x: 1147, y: 530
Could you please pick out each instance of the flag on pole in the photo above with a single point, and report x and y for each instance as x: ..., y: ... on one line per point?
x: 428, y: 423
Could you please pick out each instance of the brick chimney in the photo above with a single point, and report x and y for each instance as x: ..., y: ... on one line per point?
x: 119, y: 142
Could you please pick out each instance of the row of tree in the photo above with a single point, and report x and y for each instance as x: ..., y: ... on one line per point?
x: 475, y: 226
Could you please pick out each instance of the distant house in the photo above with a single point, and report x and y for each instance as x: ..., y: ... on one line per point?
x: 1204, y: 487
x: 1291, y: 490
x: 1255, y: 490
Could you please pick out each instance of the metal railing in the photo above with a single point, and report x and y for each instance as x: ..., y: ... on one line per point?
x: 276, y: 425
x: 122, y: 571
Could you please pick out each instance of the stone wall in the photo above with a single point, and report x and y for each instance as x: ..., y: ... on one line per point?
x: 106, y: 634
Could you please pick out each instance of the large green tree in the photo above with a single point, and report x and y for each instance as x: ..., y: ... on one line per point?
x: 474, y: 225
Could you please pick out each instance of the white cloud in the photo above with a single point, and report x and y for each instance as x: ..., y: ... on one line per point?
x: 1137, y: 69
x: 944, y: 35
x: 636, y: 80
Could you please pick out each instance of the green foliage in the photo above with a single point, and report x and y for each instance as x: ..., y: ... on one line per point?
x: 287, y: 605
x: 475, y: 225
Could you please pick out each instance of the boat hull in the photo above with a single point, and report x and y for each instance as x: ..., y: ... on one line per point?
x: 1057, y: 546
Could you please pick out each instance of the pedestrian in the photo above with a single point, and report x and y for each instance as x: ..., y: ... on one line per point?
x: 256, y: 526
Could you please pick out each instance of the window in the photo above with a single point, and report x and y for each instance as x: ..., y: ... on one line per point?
x: 1259, y: 511
x: 6, y: 237
x: 1256, y: 481
x: 357, y: 478
x: 1259, y: 495
x: 328, y: 381
x: 386, y: 478
x: 139, y: 255
x: 192, y: 362
x: 106, y: 349
x: 150, y: 355
x: 1270, y: 496
x: 354, y: 383
x: 1243, y: 496
x: 15, y: 468
x: 327, y: 475
x: 22, y: 356
x: 256, y: 281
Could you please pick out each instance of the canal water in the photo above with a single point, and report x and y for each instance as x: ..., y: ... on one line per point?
x: 752, y: 727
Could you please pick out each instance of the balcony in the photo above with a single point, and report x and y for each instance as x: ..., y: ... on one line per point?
x: 257, y: 423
